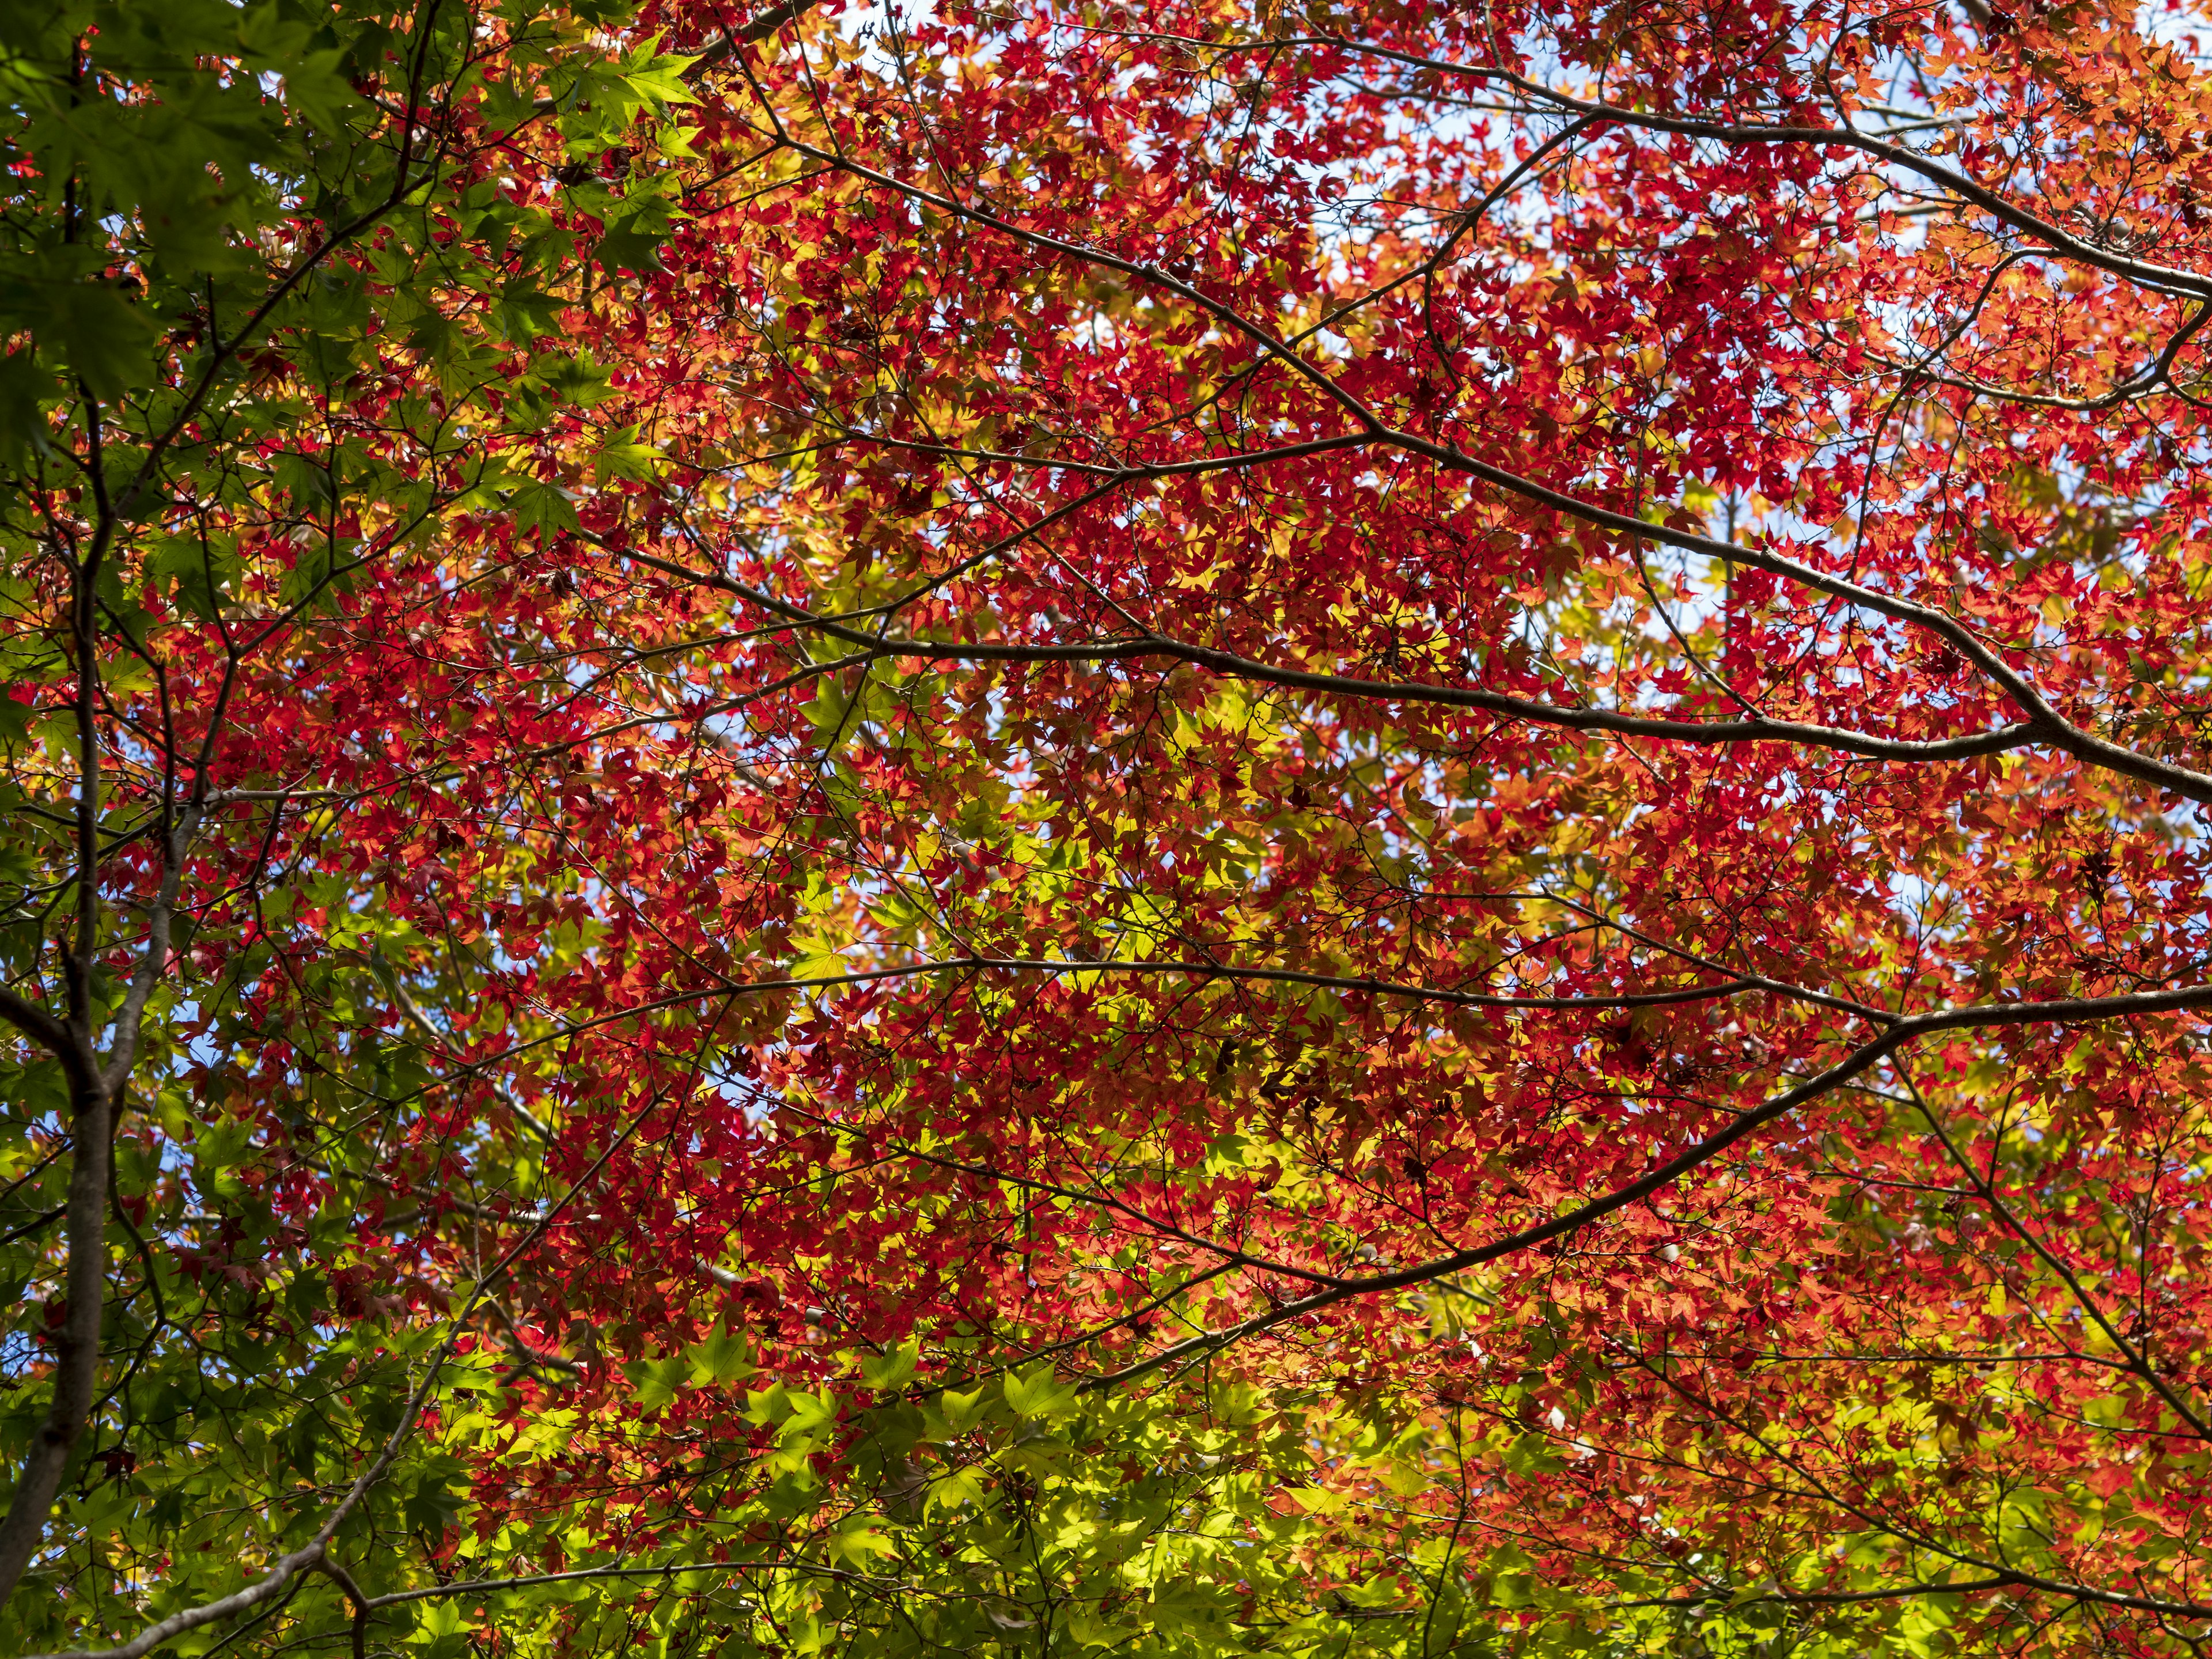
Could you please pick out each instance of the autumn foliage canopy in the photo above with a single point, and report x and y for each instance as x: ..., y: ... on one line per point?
x: 1040, y: 827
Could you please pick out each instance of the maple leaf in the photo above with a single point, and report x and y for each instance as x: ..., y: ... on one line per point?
x: 1373, y: 833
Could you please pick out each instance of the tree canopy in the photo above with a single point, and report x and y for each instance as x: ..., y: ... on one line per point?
x: 1039, y: 828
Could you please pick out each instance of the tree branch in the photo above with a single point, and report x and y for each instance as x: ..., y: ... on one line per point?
x: 2054, y: 727
x: 1902, y: 1031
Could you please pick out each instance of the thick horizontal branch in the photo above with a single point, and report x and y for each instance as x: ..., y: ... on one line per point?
x: 1898, y: 1033
x: 1528, y: 1237
x: 2067, y: 1012
x: 1965, y: 746
x: 2044, y: 723
x: 1372, y: 986
x: 1054, y: 966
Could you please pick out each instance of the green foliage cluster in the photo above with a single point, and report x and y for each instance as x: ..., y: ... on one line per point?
x: 267, y: 311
